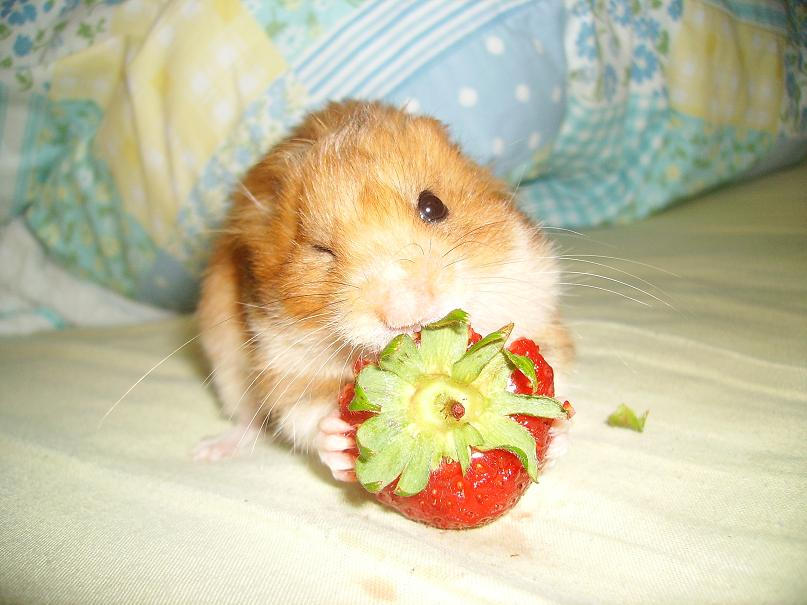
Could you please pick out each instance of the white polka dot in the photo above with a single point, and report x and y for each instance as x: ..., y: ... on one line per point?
x: 699, y: 16
x: 137, y: 194
x: 494, y: 45
x: 534, y: 140
x: 190, y: 9
x: 412, y: 105
x: 468, y: 96
x: 538, y: 46
x: 155, y: 158
x: 657, y: 142
x: 200, y: 82
x: 689, y: 68
x: 84, y: 177
x: 226, y: 55
x: 99, y: 86
x: 223, y: 111
x: 498, y: 146
x: 165, y: 35
x: 248, y: 82
x: 189, y: 157
x: 679, y: 95
x: 523, y: 93
x: 133, y: 6
x: 557, y: 93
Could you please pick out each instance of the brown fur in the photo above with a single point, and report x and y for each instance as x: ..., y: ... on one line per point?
x: 347, y: 180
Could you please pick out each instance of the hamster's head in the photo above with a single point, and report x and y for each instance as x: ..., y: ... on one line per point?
x: 371, y: 222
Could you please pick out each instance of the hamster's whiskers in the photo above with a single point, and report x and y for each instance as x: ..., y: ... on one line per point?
x: 641, y: 302
x: 288, y: 325
x: 282, y: 379
x: 157, y: 365
x: 305, y: 388
x: 306, y: 334
x: 470, y: 231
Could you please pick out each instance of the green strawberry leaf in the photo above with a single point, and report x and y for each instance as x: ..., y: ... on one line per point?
x: 444, y: 341
x: 415, y: 475
x: 525, y: 365
x: 464, y: 437
x: 501, y: 432
x: 506, y: 403
x: 402, y: 358
x: 626, y: 418
x: 469, y: 366
x: 376, y: 433
x: 494, y: 377
x: 377, y: 390
x: 378, y: 471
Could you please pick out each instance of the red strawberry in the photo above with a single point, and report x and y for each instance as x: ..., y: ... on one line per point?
x: 543, y: 371
x: 440, y: 437
x: 493, y: 484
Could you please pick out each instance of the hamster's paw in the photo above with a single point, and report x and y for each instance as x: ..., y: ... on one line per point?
x: 226, y: 445
x: 336, y: 448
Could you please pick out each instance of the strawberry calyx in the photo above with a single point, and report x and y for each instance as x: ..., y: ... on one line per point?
x: 437, y: 399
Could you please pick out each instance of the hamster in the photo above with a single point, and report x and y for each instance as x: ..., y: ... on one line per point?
x: 363, y: 223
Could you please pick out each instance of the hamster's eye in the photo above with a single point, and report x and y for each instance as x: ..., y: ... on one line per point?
x: 431, y: 208
x: 323, y: 250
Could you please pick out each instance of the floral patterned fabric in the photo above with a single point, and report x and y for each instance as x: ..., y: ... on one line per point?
x: 668, y: 98
x: 124, y: 124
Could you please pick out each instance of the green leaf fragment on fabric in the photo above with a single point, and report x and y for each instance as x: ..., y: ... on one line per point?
x: 624, y: 417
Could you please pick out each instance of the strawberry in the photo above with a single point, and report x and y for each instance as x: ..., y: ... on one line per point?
x: 441, y: 435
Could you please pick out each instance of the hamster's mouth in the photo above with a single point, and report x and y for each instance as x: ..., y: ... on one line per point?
x: 408, y: 329
x: 412, y: 328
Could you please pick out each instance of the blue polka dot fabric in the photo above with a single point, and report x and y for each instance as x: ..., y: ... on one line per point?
x: 501, y: 90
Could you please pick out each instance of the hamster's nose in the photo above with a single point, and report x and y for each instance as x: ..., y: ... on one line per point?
x: 406, y: 307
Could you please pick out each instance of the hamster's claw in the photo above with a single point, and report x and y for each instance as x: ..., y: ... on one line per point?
x: 336, y: 447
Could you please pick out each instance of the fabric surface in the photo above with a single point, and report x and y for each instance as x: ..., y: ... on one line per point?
x: 705, y: 506
x: 125, y: 124
x: 37, y: 294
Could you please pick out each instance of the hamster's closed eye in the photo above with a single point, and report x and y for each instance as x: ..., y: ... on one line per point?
x: 324, y: 250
